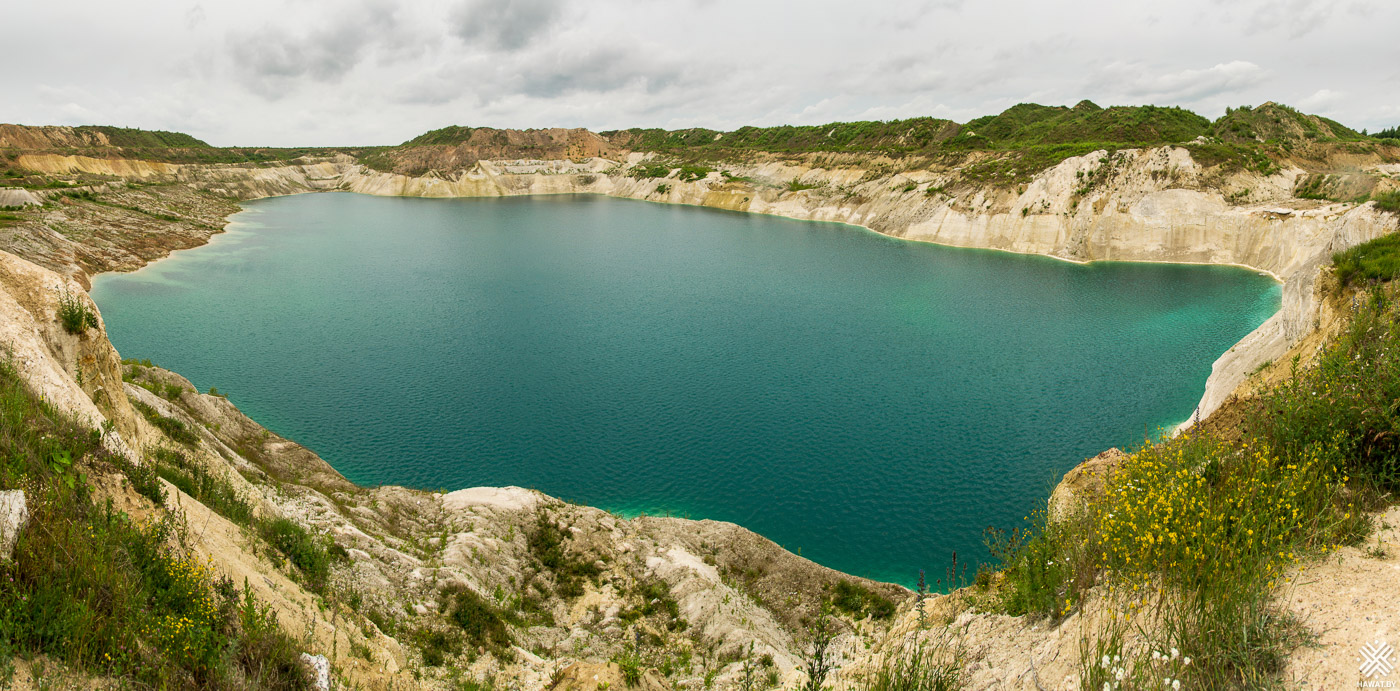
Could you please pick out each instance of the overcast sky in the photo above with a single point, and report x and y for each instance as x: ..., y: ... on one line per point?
x: 342, y: 72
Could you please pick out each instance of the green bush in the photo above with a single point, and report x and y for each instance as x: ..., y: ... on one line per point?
x: 74, y: 313
x: 435, y: 645
x: 172, y: 428
x: 691, y: 172
x: 629, y: 664
x: 144, y: 479
x: 309, y: 554
x: 1347, y: 398
x: 209, y: 489
x: 480, y: 621
x: 644, y: 171
x: 547, y: 544
x: 1035, y: 578
x: 1388, y: 201
x: 859, y: 601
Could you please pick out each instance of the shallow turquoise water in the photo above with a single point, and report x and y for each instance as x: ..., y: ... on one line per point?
x: 872, y: 402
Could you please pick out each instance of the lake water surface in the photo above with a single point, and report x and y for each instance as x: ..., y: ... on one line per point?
x: 873, y: 402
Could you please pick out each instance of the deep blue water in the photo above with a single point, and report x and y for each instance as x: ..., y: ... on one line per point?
x: 872, y: 402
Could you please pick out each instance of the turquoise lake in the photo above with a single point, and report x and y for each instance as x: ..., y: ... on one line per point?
x: 872, y: 402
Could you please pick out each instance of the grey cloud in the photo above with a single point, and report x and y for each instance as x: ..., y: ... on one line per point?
x: 270, y: 61
x: 555, y: 74
x: 504, y: 24
x: 597, y: 71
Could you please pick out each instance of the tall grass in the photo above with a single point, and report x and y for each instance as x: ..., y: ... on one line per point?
x: 925, y: 665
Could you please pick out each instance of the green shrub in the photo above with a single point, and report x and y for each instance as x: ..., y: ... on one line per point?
x: 859, y: 601
x: 1035, y: 580
x: 172, y: 428
x: 480, y: 621
x: 1312, y: 187
x: 209, y: 489
x: 691, y: 172
x: 1388, y: 201
x: 74, y: 313
x: 1378, y: 259
x: 309, y: 554
x: 144, y: 479
x: 629, y: 664
x: 547, y: 544
x: 435, y: 645
x: 644, y: 171
x: 1347, y: 398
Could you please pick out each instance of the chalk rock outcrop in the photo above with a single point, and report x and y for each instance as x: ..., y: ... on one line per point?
x: 14, y: 514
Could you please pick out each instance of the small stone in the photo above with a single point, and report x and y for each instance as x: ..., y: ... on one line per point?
x: 14, y: 514
x: 320, y: 670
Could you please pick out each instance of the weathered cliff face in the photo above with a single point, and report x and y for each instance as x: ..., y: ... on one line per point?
x: 458, y: 148
x: 49, y: 137
x: 79, y: 373
x: 58, y: 164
